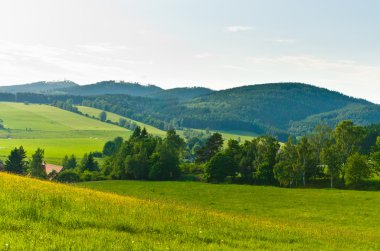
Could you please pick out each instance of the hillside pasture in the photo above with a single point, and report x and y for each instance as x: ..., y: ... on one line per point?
x: 90, y: 111
x: 57, y: 131
x: 94, y: 112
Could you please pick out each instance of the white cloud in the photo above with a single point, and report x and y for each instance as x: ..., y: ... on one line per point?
x: 235, y: 67
x: 103, y: 48
x: 285, y: 41
x: 203, y: 55
x: 238, y: 28
x: 21, y: 63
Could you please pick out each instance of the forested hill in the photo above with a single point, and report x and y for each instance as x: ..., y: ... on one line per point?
x: 38, y: 87
x: 182, y: 94
x: 112, y: 87
x: 107, y: 87
x: 279, y: 105
x: 276, y: 109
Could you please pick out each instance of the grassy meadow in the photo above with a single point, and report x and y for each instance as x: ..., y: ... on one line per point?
x: 40, y: 215
x: 353, y: 211
x: 57, y: 131
x: 115, y: 118
x: 155, y: 131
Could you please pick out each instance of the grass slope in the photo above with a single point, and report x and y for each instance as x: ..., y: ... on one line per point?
x: 115, y: 118
x: 57, y: 131
x: 38, y: 215
x: 155, y: 131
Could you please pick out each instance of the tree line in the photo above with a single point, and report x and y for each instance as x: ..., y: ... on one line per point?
x: 346, y: 156
x: 337, y: 155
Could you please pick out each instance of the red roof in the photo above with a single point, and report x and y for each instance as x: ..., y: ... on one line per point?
x: 50, y: 168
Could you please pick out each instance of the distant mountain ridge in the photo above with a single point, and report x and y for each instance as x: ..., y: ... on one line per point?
x: 38, y: 87
x: 107, y: 87
x: 111, y: 87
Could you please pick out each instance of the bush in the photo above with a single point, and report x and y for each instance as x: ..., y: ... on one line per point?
x: 192, y: 168
x: 68, y: 176
x: 91, y: 176
x: 86, y: 176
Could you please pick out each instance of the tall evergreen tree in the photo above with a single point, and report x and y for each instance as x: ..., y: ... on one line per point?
x: 144, y: 133
x: 213, y: 145
x: 69, y: 162
x: 103, y: 116
x: 16, y: 161
x: 136, y: 132
x: 89, y: 163
x: 36, y: 168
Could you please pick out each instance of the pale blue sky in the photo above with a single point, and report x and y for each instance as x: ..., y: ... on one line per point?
x: 217, y: 44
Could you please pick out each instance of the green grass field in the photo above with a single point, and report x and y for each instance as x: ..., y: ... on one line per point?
x: 339, y: 214
x: 155, y: 131
x: 57, y: 131
x: 115, y: 118
x: 38, y: 215
x: 60, y: 132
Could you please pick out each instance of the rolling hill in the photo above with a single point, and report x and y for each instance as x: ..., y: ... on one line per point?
x: 107, y: 87
x: 57, y: 131
x: 276, y: 109
x: 278, y: 106
x: 113, y: 117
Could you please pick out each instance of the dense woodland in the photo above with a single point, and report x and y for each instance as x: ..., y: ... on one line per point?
x: 347, y: 156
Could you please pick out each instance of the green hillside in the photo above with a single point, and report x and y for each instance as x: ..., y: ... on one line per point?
x: 57, y: 131
x: 182, y: 94
x: 276, y: 109
x: 270, y: 105
x: 359, y: 113
x: 38, y: 215
x: 115, y: 118
x: 155, y: 131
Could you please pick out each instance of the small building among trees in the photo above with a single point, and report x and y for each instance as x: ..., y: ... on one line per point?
x: 51, y: 170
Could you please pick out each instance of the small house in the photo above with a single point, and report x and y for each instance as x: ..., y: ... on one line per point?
x: 52, y: 170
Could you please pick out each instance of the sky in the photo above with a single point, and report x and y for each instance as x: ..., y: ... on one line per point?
x: 212, y: 43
